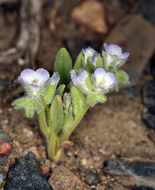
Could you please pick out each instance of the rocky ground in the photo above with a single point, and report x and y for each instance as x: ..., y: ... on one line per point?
x: 114, y: 145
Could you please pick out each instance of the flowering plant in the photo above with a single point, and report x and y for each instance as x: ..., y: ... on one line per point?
x: 62, y: 100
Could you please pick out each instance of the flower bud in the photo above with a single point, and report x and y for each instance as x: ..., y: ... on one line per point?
x: 90, y: 52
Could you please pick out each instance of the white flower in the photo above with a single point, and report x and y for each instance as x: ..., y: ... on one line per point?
x: 104, y: 80
x: 114, y: 53
x: 34, y: 79
x: 79, y: 77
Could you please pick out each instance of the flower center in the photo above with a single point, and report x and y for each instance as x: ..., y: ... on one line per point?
x: 35, y: 81
x: 115, y: 55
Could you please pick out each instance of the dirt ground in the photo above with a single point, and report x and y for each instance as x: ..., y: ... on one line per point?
x: 112, y: 130
x: 109, y: 131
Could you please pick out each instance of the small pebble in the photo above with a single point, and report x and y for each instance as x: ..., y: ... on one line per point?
x: 5, y: 138
x: 24, y: 174
x: 91, y: 177
x: 149, y: 95
x: 149, y: 119
x: 84, y: 162
x: 5, y: 148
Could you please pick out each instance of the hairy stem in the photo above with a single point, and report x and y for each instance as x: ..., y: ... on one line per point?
x: 43, y: 124
x: 77, y: 120
x: 55, y: 141
x: 52, y: 145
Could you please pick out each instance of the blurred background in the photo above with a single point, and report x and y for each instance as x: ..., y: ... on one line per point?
x: 31, y: 33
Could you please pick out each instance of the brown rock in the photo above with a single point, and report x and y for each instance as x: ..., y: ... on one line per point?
x: 135, y: 35
x: 91, y: 14
x: 63, y: 178
x: 115, y: 9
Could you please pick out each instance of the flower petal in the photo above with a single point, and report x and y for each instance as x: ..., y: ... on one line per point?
x: 104, y: 80
x: 106, y: 47
x: 110, y: 80
x: 99, y: 75
x: 27, y: 76
x: 79, y: 77
x: 125, y: 55
x: 115, y: 50
x: 42, y: 76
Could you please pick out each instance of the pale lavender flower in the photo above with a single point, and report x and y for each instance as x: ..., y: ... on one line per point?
x: 90, y: 52
x: 114, y: 53
x: 104, y: 80
x: 34, y: 79
x: 79, y: 77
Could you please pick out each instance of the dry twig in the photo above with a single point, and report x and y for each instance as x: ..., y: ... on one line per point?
x: 29, y: 38
x: 53, y: 18
x: 9, y: 1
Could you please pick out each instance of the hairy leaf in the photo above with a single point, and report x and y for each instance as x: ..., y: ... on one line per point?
x: 63, y: 66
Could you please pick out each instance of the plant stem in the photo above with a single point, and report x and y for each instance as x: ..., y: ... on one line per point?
x: 50, y: 135
x: 52, y: 145
x: 53, y: 140
x: 43, y: 123
x: 75, y: 123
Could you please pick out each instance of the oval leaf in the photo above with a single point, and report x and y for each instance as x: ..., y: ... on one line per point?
x: 56, y: 114
x: 78, y: 100
x: 63, y: 66
x: 122, y: 77
x: 79, y: 62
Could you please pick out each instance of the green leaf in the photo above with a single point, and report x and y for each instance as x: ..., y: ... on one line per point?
x: 21, y: 103
x: 116, y: 88
x: 101, y: 98
x: 92, y: 99
x: 104, y: 58
x: 60, y: 90
x: 79, y: 62
x: 29, y: 111
x: 99, y: 62
x: 89, y: 67
x: 37, y: 104
x: 88, y: 83
x: 120, y: 64
x: 63, y: 66
x: 56, y: 114
x: 78, y: 100
x: 122, y: 77
x: 113, y: 64
x: 49, y: 93
x: 68, y: 119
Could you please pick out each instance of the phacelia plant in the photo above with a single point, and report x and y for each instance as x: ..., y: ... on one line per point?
x: 62, y: 100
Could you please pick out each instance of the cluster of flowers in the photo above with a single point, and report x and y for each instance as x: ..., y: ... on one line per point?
x: 62, y: 100
x: 103, y: 72
x: 99, y: 78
